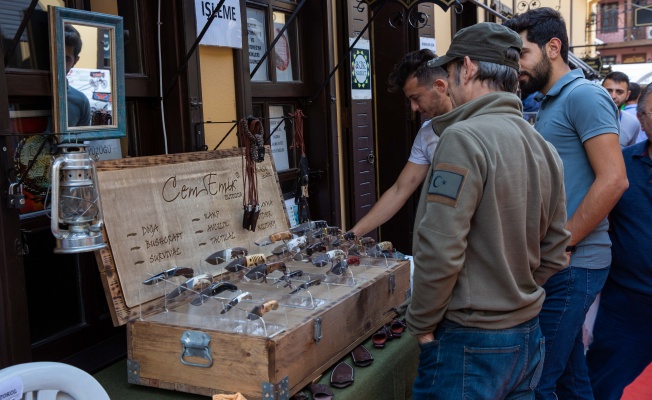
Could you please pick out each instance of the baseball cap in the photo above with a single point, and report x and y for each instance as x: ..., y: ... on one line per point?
x: 485, y: 41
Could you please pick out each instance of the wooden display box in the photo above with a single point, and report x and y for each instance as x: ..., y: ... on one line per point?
x: 272, y: 357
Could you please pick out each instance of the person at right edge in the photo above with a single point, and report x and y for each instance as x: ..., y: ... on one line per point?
x: 489, y: 231
x: 622, y: 346
x: 581, y: 120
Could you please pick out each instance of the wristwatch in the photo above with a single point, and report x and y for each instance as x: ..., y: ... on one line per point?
x: 571, y: 249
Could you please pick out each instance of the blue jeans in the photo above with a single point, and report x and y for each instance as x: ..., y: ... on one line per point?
x: 622, y: 346
x: 475, y: 364
x: 569, y: 294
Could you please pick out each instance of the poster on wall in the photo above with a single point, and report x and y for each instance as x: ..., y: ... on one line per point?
x: 226, y: 29
x: 428, y: 43
x: 278, y: 141
x: 282, y: 50
x: 257, y: 42
x: 95, y: 84
x: 360, y: 70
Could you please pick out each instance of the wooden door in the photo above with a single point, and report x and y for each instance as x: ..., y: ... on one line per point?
x: 359, y: 125
x: 397, y: 125
x: 14, y: 330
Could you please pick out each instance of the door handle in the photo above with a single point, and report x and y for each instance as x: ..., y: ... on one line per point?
x: 371, y: 158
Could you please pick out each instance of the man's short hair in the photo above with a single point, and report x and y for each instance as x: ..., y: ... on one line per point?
x: 617, y: 77
x: 73, y: 39
x: 640, y: 106
x: 634, y: 91
x: 542, y: 24
x: 414, y: 64
x: 496, y: 76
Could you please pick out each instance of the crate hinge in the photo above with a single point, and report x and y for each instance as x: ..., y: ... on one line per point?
x: 318, y: 332
x: 279, y: 391
x: 392, y: 282
x: 133, y: 369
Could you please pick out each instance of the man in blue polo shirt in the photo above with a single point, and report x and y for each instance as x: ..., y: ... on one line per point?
x: 580, y: 119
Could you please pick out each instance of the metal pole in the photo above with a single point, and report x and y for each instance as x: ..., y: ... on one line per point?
x: 19, y: 31
x: 192, y: 49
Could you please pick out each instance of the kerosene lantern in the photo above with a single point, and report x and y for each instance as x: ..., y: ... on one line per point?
x: 76, y: 201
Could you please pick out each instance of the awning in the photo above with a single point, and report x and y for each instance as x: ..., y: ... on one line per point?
x: 589, y: 72
x: 640, y: 73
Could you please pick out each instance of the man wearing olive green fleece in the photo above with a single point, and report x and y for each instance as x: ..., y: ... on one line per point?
x: 489, y: 231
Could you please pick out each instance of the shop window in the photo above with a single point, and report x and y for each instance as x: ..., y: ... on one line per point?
x: 608, y: 60
x: 128, y: 9
x: 608, y: 17
x: 279, y: 82
x: 286, y: 50
x: 279, y: 132
x: 32, y: 51
x: 282, y: 63
x: 634, y: 58
x: 257, y: 40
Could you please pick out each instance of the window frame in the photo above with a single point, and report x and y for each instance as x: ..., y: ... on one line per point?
x: 609, y: 17
x: 272, y: 88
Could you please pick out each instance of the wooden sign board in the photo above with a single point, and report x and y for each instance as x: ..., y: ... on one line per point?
x: 172, y: 211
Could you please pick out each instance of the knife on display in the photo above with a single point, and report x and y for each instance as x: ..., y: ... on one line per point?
x: 290, y: 275
x: 262, y: 309
x: 274, y: 237
x: 234, y: 301
x: 330, y: 256
x: 262, y: 270
x: 339, y: 267
x: 292, y: 246
x: 377, y: 250
x: 348, y: 235
x: 195, y: 283
x: 333, y: 241
x: 304, y: 255
x: 361, y: 246
x: 176, y: 271
x: 245, y: 262
x: 306, y: 285
x: 325, y: 231
x: 309, y: 226
x: 213, y: 290
x: 315, y: 247
x: 225, y: 255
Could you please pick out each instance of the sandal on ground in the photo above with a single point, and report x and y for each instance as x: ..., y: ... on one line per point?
x: 380, y: 337
x: 361, y: 356
x: 342, y: 375
x: 321, y: 392
x: 300, y: 396
x: 397, y: 327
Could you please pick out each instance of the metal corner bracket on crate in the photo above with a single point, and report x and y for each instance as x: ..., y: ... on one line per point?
x: 133, y: 372
x: 279, y: 391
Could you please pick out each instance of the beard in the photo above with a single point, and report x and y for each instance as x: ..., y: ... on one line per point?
x: 538, y: 78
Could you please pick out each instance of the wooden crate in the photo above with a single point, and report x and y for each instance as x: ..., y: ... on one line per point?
x: 282, y: 360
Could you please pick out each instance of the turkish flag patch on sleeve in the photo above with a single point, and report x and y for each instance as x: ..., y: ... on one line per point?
x: 446, y: 183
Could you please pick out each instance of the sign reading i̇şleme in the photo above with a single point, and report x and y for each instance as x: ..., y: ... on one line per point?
x: 360, y: 70
x: 226, y: 28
